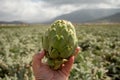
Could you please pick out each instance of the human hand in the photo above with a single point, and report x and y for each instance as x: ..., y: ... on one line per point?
x: 43, y: 72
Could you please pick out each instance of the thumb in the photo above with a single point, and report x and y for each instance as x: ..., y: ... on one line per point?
x: 37, y: 58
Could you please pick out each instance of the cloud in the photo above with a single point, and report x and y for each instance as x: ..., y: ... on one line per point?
x: 86, y: 3
x: 23, y: 10
x: 31, y: 11
x: 62, y: 2
x: 80, y: 2
x: 43, y: 10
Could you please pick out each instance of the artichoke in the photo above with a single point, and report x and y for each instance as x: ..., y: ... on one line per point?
x: 59, y: 43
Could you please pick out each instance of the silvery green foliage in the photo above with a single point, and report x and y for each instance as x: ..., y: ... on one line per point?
x: 59, y: 42
x: 100, y: 52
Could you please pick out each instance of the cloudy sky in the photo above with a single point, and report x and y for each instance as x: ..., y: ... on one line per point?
x: 42, y: 10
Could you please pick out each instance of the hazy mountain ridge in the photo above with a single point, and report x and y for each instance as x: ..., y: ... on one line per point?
x: 82, y: 16
x: 87, y: 15
x: 12, y: 22
x: 115, y: 18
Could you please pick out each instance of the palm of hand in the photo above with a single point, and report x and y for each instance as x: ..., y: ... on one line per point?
x: 46, y: 73
x: 43, y: 72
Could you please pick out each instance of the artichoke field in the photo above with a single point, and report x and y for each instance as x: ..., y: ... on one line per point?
x: 59, y: 43
x: 99, y: 58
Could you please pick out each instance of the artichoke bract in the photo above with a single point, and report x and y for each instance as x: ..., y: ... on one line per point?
x: 59, y: 43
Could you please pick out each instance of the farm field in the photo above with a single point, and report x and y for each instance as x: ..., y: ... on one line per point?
x: 99, y: 58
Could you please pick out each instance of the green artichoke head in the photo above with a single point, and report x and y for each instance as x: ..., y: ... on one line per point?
x: 59, y: 42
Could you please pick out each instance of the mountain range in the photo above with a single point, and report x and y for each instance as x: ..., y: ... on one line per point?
x: 12, y: 22
x: 83, y: 16
x: 91, y: 15
x: 115, y: 18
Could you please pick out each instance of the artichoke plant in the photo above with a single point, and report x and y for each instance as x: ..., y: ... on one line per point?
x: 59, y: 43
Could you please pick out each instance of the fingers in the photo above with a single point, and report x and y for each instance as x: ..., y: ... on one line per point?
x: 76, y: 51
x: 68, y: 65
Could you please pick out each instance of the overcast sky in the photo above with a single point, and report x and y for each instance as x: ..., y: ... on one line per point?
x: 42, y: 10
